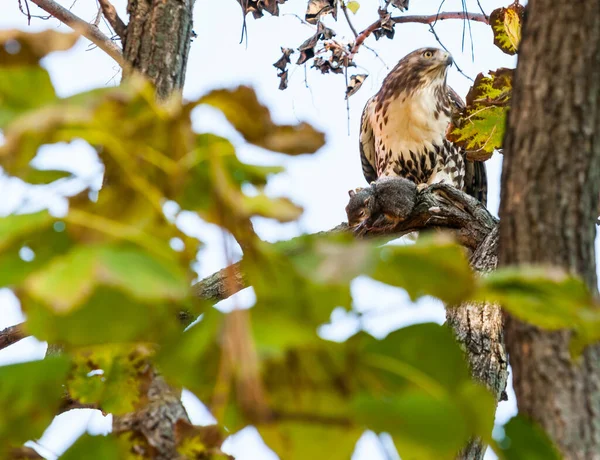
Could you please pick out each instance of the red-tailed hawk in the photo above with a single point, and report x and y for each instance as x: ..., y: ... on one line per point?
x: 404, y: 126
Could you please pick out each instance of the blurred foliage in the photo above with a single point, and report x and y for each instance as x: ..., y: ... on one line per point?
x: 30, y: 395
x: 524, y: 440
x: 104, y: 282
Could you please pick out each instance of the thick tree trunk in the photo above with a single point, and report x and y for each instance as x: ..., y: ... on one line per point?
x: 550, y: 186
x: 158, y: 40
x: 157, y: 44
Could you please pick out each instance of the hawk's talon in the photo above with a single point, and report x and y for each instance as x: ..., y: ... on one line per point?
x: 421, y: 187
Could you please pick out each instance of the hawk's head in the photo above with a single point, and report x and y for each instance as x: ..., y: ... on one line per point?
x: 422, y: 67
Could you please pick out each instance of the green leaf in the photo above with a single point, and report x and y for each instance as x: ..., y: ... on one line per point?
x: 214, y: 184
x: 108, y: 316
x: 524, y: 440
x: 353, y: 6
x: 506, y: 24
x: 45, y: 243
x: 15, y: 226
x: 93, y: 448
x: 318, y: 269
x: 110, y: 376
x: 24, y: 85
x: 299, y: 441
x: 483, y: 131
x: 425, y: 355
x: 45, y: 125
x: 17, y: 84
x: 252, y: 119
x: 44, y: 176
x: 433, y: 266
x: 69, y: 280
x: 478, y: 406
x: 480, y: 129
x: 422, y: 426
x: 546, y: 297
x: 199, y: 441
x: 30, y: 395
x: 276, y: 332
x: 423, y: 380
x: 304, y: 268
x: 196, y: 351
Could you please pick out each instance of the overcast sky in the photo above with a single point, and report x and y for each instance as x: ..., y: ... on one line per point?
x: 318, y: 182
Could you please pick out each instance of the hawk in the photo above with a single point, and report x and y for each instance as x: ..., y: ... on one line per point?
x: 404, y: 127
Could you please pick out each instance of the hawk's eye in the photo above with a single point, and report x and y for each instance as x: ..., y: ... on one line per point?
x: 428, y: 54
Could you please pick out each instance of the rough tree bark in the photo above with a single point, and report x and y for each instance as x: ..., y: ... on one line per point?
x: 157, y: 41
x: 479, y: 327
x: 550, y: 185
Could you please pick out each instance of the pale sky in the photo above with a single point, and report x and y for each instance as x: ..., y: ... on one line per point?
x: 318, y: 182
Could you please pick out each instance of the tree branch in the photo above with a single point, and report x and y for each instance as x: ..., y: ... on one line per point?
x: 438, y: 206
x: 109, y: 12
x: 11, y: 335
x: 22, y: 453
x: 89, y: 31
x: 419, y: 19
x: 347, y: 16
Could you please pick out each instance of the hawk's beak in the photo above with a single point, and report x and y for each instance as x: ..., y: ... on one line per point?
x: 449, y: 61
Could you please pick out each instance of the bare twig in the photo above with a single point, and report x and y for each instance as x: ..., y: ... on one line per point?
x: 419, y: 19
x: 28, y: 13
x: 347, y: 16
x: 11, y: 335
x: 113, y: 18
x: 432, y: 30
x: 98, y: 17
x: 377, y: 56
x: 481, y: 9
x: 89, y: 31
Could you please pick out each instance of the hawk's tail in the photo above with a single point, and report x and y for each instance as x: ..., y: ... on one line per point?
x: 476, y: 180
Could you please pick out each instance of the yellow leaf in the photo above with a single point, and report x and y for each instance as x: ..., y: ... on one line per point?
x: 253, y: 120
x: 353, y: 6
x: 506, y: 24
x: 19, y: 48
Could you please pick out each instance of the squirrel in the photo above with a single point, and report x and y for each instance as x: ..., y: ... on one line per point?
x: 387, y: 202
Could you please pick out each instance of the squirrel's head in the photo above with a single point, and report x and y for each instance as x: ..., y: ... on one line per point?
x: 359, y: 208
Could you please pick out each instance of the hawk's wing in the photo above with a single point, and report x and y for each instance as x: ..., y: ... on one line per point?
x: 367, y: 142
x: 475, y: 173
